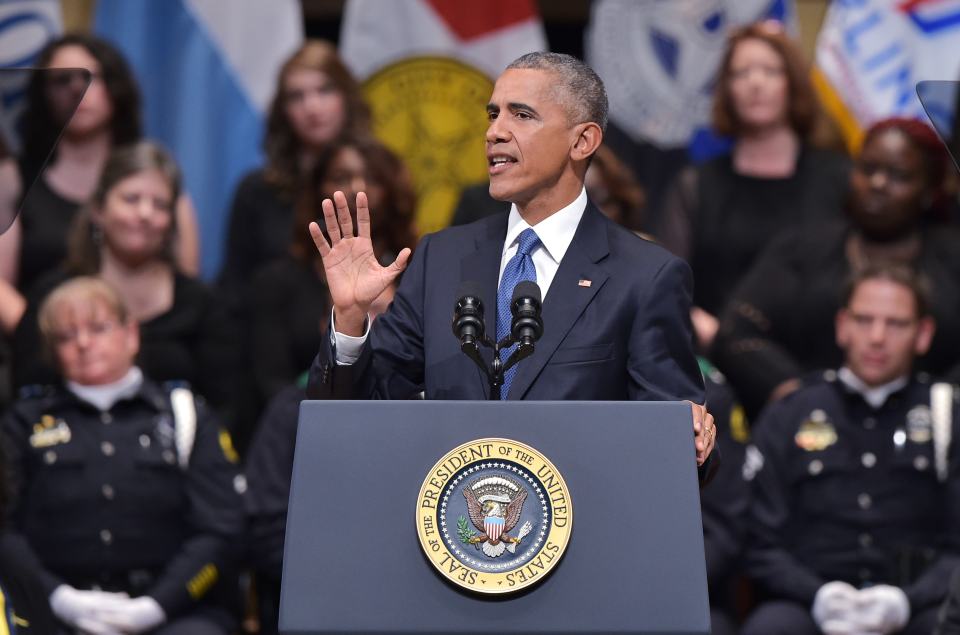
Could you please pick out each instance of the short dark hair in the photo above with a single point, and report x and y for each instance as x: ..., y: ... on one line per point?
x: 583, y: 93
x: 900, y: 274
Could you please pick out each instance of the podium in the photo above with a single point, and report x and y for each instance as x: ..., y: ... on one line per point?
x: 634, y: 563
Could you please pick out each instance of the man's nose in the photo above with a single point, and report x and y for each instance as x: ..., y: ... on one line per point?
x: 878, y: 332
x: 497, y: 131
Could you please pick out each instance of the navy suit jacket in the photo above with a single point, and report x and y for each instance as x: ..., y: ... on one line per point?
x: 616, y: 324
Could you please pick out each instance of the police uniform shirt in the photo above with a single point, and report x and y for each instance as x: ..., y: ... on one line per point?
x: 100, y: 498
x: 846, y: 491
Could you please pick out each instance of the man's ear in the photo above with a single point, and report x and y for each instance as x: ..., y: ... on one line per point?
x: 924, y: 335
x: 841, y: 325
x: 589, y: 138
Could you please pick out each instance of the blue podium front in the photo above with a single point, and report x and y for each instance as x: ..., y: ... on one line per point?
x: 634, y: 561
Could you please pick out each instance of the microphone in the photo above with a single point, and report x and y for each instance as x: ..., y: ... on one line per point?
x: 468, y: 316
x: 525, y: 306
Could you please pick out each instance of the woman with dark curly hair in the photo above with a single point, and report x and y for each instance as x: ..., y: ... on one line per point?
x: 87, y: 91
x: 780, y: 321
x: 316, y: 102
x: 290, y: 303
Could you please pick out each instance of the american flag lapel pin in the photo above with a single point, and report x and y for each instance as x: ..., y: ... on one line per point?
x: 584, y: 283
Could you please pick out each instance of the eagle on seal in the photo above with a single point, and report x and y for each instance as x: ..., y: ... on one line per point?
x: 494, y: 505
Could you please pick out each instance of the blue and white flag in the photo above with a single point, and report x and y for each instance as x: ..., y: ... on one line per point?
x: 659, y: 58
x: 872, y: 53
x: 26, y: 26
x: 208, y: 70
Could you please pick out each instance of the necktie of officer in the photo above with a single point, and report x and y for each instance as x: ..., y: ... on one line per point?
x: 519, y: 268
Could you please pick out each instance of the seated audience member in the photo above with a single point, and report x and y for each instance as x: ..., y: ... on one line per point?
x: 317, y: 101
x: 948, y: 622
x: 290, y: 306
x: 724, y: 502
x: 855, y: 512
x: 779, y: 323
x: 108, y: 116
x: 124, y: 503
x: 126, y: 236
x: 721, y: 214
x: 269, y: 468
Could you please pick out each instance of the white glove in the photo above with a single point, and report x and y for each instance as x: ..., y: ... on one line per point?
x: 883, y: 609
x: 132, y: 615
x: 834, y: 608
x: 73, y: 607
x: 90, y: 626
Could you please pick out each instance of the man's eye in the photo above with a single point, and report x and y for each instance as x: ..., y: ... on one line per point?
x: 491, y: 115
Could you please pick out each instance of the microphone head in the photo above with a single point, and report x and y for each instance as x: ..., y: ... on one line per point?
x: 469, y: 289
x: 468, y: 313
x: 526, y: 289
x: 527, y: 325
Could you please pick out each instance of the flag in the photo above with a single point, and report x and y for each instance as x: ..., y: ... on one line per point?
x: 427, y: 68
x: 659, y: 60
x: 26, y: 26
x: 872, y: 53
x: 208, y: 70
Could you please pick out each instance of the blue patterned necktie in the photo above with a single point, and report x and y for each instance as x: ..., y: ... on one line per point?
x: 519, y: 268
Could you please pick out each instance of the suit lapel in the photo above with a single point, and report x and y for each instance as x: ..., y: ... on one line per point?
x: 483, y: 267
x: 567, y: 298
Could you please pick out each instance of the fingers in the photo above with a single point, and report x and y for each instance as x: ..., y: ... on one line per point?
x: 698, y: 413
x: 330, y: 219
x: 401, y: 261
x: 319, y: 240
x: 343, y: 213
x: 363, y: 216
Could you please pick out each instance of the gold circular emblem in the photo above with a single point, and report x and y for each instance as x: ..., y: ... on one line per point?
x: 494, y: 516
x: 431, y: 111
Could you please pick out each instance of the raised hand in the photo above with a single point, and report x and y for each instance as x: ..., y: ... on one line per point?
x: 354, y: 276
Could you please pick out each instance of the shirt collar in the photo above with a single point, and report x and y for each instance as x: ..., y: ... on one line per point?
x: 103, y: 397
x: 875, y: 396
x: 555, y: 231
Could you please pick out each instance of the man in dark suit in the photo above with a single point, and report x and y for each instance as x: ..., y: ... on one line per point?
x: 615, y: 307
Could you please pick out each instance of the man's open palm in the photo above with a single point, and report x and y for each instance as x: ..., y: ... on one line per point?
x: 354, y: 276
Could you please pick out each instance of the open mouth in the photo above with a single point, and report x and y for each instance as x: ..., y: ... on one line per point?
x: 499, y: 163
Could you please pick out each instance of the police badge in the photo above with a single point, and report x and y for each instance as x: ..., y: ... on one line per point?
x: 494, y: 516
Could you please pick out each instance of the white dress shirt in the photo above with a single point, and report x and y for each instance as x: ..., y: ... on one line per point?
x: 555, y: 233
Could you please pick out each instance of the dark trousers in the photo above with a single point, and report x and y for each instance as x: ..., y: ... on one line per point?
x: 781, y: 617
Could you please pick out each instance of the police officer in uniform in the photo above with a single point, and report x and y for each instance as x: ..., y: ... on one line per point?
x: 125, y: 506
x: 855, y: 512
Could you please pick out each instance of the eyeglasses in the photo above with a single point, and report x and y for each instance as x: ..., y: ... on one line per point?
x: 61, y: 78
x: 94, y: 329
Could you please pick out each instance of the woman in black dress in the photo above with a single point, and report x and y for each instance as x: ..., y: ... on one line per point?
x: 126, y: 236
x: 779, y: 324
x: 720, y: 215
x: 290, y: 303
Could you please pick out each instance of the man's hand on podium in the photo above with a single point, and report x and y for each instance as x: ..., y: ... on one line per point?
x: 704, y: 431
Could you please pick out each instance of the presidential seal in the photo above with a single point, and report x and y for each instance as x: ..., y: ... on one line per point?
x: 494, y: 516
x: 432, y: 112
